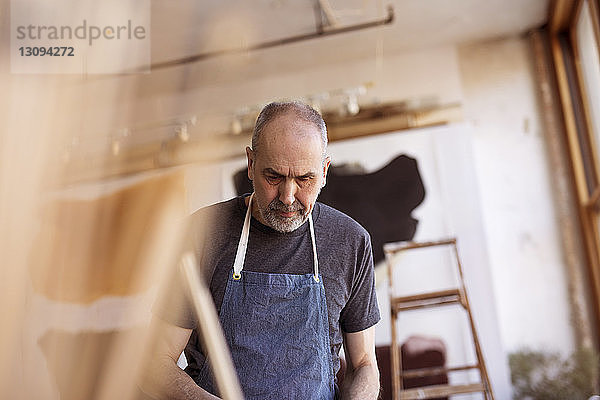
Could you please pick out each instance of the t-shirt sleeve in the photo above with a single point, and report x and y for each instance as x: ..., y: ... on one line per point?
x: 361, y: 310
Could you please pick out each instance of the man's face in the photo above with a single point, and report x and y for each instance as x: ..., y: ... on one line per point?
x: 287, y: 172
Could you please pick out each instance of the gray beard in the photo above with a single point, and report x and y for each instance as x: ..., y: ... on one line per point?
x: 281, y: 224
x: 284, y: 225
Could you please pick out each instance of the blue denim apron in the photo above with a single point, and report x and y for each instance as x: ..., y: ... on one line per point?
x: 277, y: 329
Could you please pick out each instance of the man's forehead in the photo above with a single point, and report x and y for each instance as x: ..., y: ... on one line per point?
x: 291, y: 126
x: 297, y: 163
x: 297, y: 159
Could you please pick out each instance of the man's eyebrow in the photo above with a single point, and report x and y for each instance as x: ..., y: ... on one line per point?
x: 271, y: 171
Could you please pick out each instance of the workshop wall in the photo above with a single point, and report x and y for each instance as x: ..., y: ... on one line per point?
x: 487, y: 178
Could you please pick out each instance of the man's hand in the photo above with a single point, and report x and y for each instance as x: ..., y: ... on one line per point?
x: 362, y: 375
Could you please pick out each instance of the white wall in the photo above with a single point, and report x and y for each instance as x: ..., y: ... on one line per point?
x: 514, y: 176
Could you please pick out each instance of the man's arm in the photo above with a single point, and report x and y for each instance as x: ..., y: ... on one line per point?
x: 164, y: 379
x: 362, y: 375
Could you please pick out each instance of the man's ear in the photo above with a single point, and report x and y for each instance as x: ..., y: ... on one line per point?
x: 326, y: 164
x: 250, y: 156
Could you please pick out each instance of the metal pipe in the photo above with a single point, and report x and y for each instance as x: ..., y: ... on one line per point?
x: 275, y: 43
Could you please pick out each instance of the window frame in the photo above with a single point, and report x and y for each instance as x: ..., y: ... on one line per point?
x: 583, y: 144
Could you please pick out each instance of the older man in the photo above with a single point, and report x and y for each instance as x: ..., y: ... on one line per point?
x: 292, y: 278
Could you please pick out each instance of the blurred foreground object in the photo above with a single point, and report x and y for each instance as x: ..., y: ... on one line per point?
x: 103, y: 250
x: 116, y: 244
x: 211, y: 332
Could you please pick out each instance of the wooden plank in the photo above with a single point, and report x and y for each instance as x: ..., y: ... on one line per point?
x: 395, y: 362
x: 594, y: 200
x: 426, y: 296
x: 410, y: 307
x: 395, y: 247
x: 440, y: 391
x: 421, y: 372
x: 569, y: 120
x: 407, y: 119
x: 454, y: 292
x: 561, y: 12
x: 483, y: 370
x: 595, y: 14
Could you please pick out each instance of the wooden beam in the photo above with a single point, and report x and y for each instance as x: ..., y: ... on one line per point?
x: 569, y: 118
x: 561, y: 13
x: 394, y: 122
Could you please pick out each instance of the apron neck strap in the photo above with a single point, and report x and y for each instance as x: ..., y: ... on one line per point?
x: 240, y: 255
x: 314, y: 246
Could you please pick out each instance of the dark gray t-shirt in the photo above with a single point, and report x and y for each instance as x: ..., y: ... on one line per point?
x: 345, y: 263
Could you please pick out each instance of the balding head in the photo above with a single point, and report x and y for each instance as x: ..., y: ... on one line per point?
x: 297, y: 109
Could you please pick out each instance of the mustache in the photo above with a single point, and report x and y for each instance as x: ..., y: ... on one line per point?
x: 277, y: 205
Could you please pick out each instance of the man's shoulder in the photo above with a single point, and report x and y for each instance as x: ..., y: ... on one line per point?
x: 218, y: 214
x: 219, y: 206
x: 340, y: 222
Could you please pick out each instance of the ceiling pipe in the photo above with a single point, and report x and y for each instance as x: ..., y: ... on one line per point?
x: 275, y: 43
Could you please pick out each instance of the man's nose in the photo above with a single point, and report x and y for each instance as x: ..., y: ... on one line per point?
x: 287, y: 192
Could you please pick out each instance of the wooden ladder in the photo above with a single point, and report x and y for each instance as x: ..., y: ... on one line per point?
x: 422, y: 301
